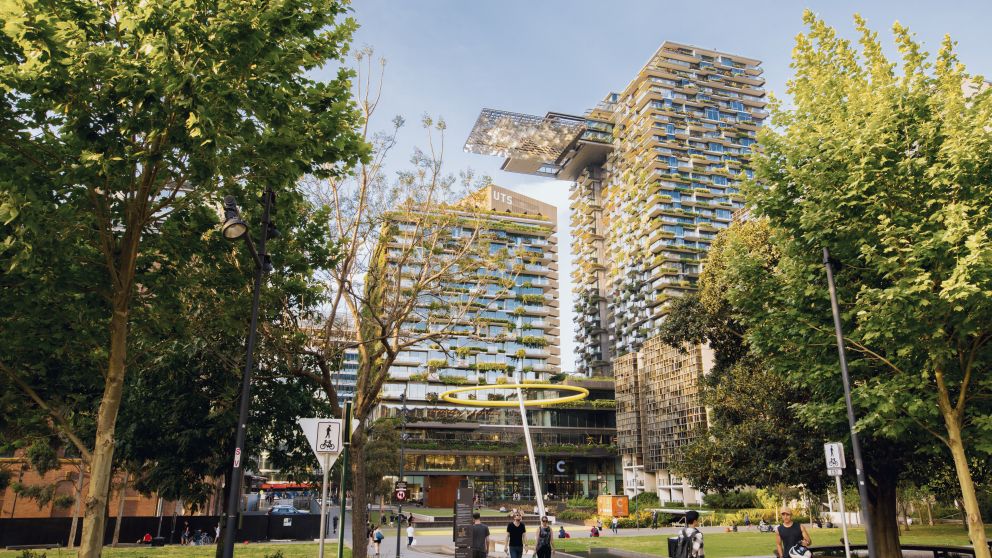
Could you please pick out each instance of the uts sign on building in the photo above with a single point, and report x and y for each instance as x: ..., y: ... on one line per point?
x: 501, y: 199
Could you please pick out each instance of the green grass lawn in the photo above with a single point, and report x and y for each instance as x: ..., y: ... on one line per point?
x: 752, y: 543
x: 261, y: 550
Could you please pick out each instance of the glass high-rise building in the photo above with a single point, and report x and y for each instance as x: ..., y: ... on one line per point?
x: 656, y: 172
x: 512, y: 334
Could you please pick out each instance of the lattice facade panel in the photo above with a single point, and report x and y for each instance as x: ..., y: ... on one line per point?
x: 670, y: 382
x: 628, y: 410
x: 522, y: 136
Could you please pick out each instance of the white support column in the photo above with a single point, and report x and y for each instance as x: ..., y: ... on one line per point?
x: 530, y: 452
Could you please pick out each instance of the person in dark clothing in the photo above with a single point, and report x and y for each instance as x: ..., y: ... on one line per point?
x: 480, y: 537
x: 544, y: 546
x: 789, y: 534
x: 516, y: 537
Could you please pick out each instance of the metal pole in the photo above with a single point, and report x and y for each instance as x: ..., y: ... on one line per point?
x: 399, y: 512
x: 843, y: 519
x: 855, y: 445
x: 530, y: 452
x: 237, y: 470
x: 158, y: 512
x: 343, y: 493
x: 323, y: 505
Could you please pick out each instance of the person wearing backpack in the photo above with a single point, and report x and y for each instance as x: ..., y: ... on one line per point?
x: 377, y: 537
x: 544, y: 544
x: 690, y: 541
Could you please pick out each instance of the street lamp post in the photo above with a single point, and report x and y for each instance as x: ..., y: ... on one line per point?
x: 233, y: 229
x: 855, y: 445
x: 399, y: 511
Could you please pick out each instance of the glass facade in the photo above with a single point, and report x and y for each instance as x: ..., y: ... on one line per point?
x: 510, y: 333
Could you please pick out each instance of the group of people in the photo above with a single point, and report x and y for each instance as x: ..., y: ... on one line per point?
x: 791, y: 539
x: 515, y: 541
x: 376, y: 536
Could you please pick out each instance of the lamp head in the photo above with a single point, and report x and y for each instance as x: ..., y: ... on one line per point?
x: 234, y: 227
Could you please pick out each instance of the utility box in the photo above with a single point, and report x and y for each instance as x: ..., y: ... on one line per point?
x: 613, y: 506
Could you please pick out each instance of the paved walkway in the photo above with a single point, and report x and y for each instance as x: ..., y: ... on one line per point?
x: 431, y: 545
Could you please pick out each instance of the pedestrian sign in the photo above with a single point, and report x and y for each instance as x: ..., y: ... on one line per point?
x: 328, y: 436
x: 324, y: 436
x: 834, y: 453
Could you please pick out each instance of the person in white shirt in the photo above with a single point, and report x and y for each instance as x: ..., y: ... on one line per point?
x: 409, y: 535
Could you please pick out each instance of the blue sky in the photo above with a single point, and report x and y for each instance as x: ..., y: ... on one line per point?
x: 454, y: 57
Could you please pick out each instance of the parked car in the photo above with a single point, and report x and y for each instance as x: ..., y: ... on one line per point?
x: 284, y: 510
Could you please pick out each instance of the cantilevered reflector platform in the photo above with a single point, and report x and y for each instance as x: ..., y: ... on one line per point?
x: 522, y: 136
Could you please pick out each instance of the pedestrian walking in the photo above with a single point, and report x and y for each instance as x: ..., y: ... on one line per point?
x: 334, y: 522
x: 599, y: 524
x: 480, y: 537
x: 690, y: 541
x: 409, y: 535
x: 185, y: 537
x: 544, y: 545
x: 516, y: 537
x: 615, y: 524
x: 747, y: 520
x: 789, y: 534
x: 377, y: 537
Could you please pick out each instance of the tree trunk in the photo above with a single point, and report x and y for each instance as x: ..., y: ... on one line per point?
x: 120, y: 511
x: 976, y: 529
x: 95, y: 511
x: 884, y: 516
x: 929, y: 512
x: 75, y: 508
x: 359, y: 498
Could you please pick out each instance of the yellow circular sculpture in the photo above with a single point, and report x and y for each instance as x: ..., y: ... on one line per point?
x: 580, y: 393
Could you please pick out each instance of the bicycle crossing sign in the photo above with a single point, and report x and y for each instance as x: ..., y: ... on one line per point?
x: 328, y: 436
x: 324, y: 436
x: 834, y: 453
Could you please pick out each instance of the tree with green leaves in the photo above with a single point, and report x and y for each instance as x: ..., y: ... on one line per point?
x: 117, y: 115
x: 391, y: 290
x: 751, y: 437
x: 889, y: 171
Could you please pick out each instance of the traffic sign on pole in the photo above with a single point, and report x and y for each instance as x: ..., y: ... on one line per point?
x: 400, y: 491
x: 834, y: 453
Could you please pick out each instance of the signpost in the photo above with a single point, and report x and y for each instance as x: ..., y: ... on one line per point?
x: 834, y: 454
x: 464, y: 506
x: 349, y: 427
x: 324, y: 436
x: 326, y: 441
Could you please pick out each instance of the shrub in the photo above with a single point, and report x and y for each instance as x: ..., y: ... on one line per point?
x: 493, y: 366
x: 31, y: 554
x: 276, y: 554
x: 646, y: 499
x: 581, y: 503
x: 571, y: 514
x: 732, y: 500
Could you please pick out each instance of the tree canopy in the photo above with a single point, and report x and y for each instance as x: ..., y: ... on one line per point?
x: 115, y: 116
x: 891, y: 172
